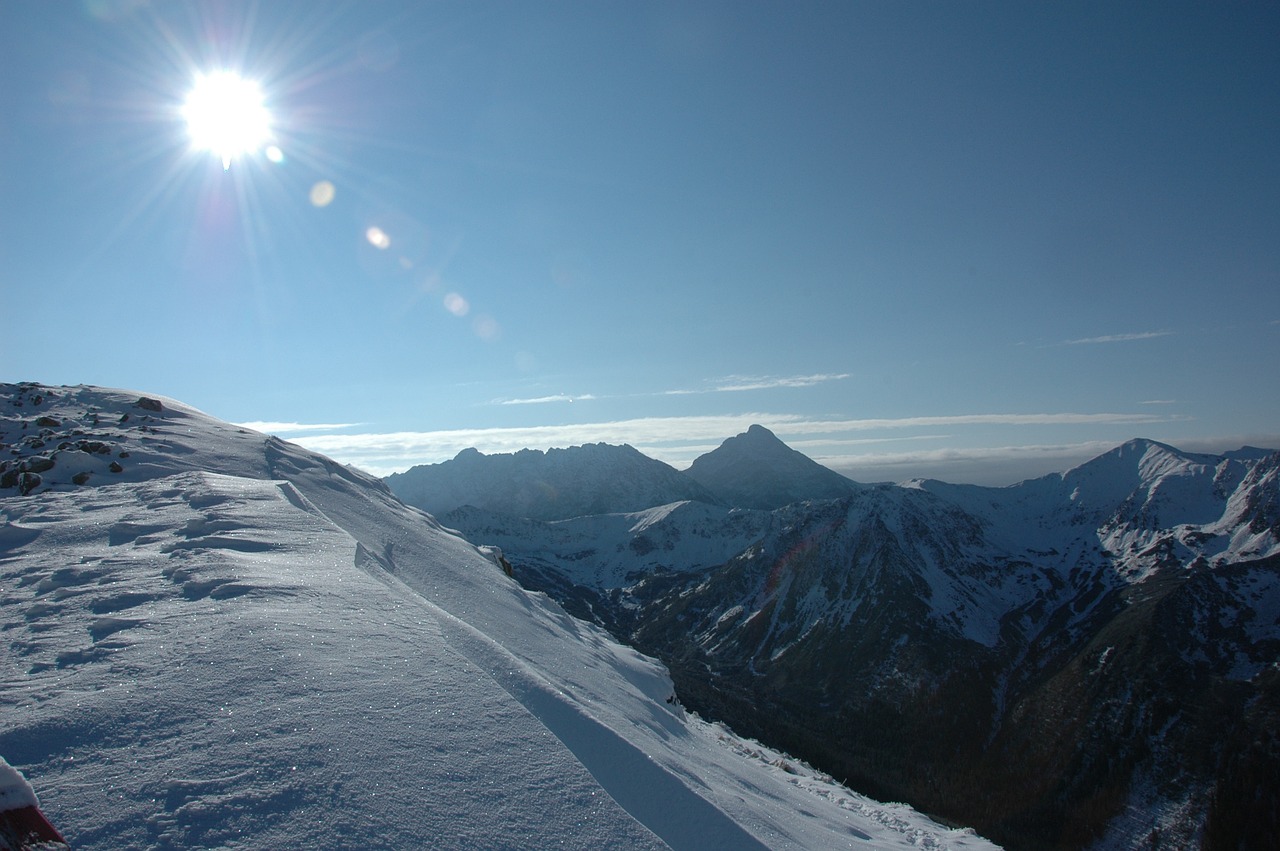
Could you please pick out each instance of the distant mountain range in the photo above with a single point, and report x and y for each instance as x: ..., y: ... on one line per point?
x: 552, y: 485
x: 1087, y: 658
x: 752, y: 470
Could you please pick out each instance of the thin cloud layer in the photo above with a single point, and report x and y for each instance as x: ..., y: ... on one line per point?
x: 1119, y: 338
x: 727, y: 384
x: 989, y: 465
x: 741, y: 383
x: 543, y: 400
x: 738, y: 384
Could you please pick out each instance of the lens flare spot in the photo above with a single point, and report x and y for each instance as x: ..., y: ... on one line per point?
x: 378, y: 238
x: 486, y: 328
x: 274, y: 154
x: 456, y: 304
x: 526, y: 362
x: 322, y: 193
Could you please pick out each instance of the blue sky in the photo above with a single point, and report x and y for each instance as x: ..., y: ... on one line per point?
x: 976, y: 241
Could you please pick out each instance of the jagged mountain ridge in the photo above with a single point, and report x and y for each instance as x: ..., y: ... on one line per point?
x: 552, y: 485
x: 996, y: 644
x: 752, y: 470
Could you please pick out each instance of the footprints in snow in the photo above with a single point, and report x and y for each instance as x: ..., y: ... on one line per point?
x: 130, y: 580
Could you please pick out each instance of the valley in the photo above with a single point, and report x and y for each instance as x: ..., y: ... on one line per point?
x: 1088, y: 658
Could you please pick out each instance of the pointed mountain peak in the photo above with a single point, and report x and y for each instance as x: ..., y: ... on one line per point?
x: 756, y: 439
x: 757, y: 470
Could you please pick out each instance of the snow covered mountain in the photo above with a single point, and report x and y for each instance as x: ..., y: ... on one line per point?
x: 1147, y: 503
x: 551, y: 485
x: 756, y: 470
x: 1084, y: 659
x: 216, y: 639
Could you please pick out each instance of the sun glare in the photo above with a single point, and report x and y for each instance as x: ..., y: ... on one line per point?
x: 225, y: 115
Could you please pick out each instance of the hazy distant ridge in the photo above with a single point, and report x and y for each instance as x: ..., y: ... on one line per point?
x: 751, y: 470
x: 556, y: 484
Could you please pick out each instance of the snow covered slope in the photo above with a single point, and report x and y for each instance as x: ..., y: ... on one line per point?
x: 608, y: 551
x: 215, y: 639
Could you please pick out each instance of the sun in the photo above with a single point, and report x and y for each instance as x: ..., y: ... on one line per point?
x: 226, y: 115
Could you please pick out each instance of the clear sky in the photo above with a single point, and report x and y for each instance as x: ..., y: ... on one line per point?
x: 978, y: 241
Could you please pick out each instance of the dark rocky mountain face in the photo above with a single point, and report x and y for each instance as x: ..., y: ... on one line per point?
x: 1085, y: 657
x: 756, y: 470
x: 1118, y: 698
x: 551, y: 485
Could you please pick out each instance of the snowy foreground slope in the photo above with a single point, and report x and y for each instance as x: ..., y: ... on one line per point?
x: 217, y: 639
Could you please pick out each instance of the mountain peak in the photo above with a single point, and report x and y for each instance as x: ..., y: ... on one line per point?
x: 757, y: 470
x: 756, y: 440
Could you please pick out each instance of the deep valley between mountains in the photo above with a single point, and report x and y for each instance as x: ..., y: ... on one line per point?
x: 1090, y: 658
